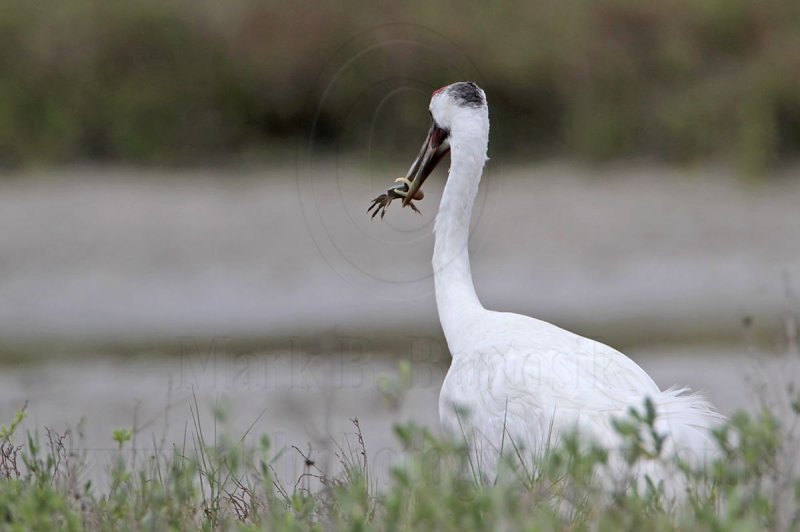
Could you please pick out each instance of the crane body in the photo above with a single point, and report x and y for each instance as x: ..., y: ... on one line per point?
x: 516, y: 382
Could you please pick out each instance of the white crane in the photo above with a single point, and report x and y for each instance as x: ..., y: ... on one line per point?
x: 512, y: 377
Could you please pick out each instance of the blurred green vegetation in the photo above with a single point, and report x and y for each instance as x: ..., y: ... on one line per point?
x: 181, y: 81
x: 227, y: 483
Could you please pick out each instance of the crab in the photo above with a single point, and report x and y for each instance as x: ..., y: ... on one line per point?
x: 397, y: 191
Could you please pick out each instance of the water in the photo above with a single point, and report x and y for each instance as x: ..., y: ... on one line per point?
x: 663, y: 265
x: 309, y: 400
x: 646, y: 254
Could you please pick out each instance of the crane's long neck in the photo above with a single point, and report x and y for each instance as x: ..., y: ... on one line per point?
x: 456, y: 299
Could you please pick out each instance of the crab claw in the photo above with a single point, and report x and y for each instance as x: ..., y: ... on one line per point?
x: 403, y: 192
x: 398, y: 191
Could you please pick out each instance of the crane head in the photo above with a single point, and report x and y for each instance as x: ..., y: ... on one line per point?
x: 447, y: 105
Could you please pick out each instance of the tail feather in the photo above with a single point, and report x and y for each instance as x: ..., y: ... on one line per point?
x: 687, y: 419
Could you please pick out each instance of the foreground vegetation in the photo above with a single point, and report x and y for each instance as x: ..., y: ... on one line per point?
x: 185, y: 80
x: 229, y: 485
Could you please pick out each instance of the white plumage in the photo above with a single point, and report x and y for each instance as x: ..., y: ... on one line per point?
x: 514, y: 376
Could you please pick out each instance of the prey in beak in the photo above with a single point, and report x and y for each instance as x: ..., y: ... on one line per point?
x: 435, y: 147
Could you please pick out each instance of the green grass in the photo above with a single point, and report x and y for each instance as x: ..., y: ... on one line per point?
x: 216, y: 482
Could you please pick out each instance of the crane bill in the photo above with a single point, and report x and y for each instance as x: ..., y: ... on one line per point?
x: 435, y: 147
